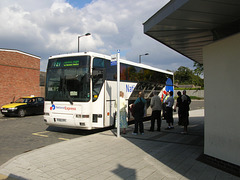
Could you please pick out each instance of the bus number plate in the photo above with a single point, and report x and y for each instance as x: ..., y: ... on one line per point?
x: 61, y: 120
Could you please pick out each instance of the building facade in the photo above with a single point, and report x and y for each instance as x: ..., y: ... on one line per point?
x: 19, y: 72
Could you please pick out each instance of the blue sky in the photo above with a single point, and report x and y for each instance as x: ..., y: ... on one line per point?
x: 79, y: 3
x: 49, y: 27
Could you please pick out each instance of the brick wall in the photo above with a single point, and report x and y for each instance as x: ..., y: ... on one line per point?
x: 19, y: 74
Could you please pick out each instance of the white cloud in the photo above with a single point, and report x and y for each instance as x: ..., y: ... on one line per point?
x: 49, y: 27
x: 60, y: 7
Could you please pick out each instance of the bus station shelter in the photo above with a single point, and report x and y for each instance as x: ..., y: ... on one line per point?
x: 208, y: 32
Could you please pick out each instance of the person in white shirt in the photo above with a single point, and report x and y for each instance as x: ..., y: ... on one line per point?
x: 123, y: 113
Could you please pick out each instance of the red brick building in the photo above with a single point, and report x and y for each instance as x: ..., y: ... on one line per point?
x: 19, y: 75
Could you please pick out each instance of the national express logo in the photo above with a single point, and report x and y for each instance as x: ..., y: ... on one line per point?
x: 53, y: 107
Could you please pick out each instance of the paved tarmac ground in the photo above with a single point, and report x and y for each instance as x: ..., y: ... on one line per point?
x: 155, y: 155
x: 19, y: 135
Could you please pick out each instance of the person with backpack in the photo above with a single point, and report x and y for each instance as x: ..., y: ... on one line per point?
x: 139, y: 109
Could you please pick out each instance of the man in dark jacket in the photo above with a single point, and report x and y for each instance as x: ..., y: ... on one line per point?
x: 169, y: 111
x: 186, y: 101
x: 139, y: 109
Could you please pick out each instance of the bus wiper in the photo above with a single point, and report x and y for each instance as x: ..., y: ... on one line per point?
x: 66, y: 91
x: 69, y: 98
x: 52, y: 100
x: 68, y: 95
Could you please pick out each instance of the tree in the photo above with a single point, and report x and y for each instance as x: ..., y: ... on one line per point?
x: 184, y: 75
x: 198, y: 69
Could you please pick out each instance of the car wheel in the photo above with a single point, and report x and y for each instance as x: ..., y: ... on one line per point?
x: 21, y: 112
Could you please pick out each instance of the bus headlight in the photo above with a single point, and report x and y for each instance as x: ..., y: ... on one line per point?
x: 82, y: 116
x: 78, y: 116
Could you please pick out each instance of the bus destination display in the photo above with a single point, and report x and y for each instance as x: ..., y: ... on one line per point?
x: 66, y: 63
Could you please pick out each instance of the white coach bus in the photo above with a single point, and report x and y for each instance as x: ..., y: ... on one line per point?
x: 81, y: 88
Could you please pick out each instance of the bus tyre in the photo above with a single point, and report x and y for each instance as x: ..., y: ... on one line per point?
x: 21, y: 113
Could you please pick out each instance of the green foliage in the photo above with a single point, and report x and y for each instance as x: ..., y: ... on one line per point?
x: 184, y: 76
x: 177, y: 88
x: 192, y: 98
x: 195, y: 97
x: 198, y: 69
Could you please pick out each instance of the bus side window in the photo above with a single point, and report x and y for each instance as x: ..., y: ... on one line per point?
x: 98, y: 63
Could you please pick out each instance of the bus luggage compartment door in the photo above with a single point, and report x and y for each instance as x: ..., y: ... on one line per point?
x: 109, y: 121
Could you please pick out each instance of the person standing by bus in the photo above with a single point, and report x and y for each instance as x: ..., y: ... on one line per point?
x: 169, y: 111
x: 156, y: 106
x: 164, y: 105
x: 186, y: 101
x: 139, y: 110
x: 180, y: 109
x: 123, y: 113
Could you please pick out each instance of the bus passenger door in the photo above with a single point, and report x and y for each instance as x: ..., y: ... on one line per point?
x: 98, y: 107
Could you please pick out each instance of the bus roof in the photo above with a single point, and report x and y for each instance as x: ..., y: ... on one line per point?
x: 109, y: 58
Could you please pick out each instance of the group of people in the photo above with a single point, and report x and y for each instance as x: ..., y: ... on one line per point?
x: 138, y: 113
x: 167, y: 106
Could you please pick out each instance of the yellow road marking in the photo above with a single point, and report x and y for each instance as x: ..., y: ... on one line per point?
x: 40, y: 134
x: 64, y: 139
x: 3, y: 177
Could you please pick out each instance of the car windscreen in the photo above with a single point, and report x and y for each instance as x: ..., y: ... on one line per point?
x: 22, y: 100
